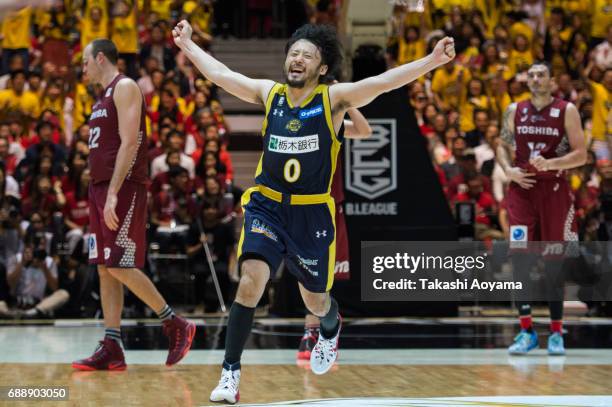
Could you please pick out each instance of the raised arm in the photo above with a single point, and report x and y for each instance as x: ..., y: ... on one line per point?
x: 247, y: 89
x: 357, y: 94
x: 505, y: 148
x: 357, y: 127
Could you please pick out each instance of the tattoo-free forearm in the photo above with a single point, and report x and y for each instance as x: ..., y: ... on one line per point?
x: 125, y: 157
x: 404, y: 74
x: 209, y: 66
x: 574, y: 159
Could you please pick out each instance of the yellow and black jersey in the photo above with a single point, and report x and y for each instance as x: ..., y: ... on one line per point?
x: 300, y: 146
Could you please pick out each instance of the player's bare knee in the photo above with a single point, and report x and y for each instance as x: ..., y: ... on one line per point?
x: 114, y: 272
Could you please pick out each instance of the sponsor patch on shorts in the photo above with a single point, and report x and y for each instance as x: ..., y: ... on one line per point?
x: 92, y: 246
x: 258, y: 226
x: 518, y: 236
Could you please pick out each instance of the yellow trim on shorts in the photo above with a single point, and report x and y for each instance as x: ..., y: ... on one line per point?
x: 331, y: 252
x: 294, y: 199
x: 246, y: 198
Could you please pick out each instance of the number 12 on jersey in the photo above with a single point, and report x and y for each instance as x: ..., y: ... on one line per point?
x: 535, y: 149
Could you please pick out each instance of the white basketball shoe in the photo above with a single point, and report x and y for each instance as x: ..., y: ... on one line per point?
x: 227, y: 389
x: 325, y: 352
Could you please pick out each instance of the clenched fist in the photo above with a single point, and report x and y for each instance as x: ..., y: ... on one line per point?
x: 182, y: 33
x: 444, y: 51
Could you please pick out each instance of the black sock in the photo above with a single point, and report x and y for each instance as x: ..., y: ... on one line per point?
x: 556, y: 310
x: 330, y: 322
x: 239, y: 326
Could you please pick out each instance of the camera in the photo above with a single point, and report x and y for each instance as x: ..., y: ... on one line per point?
x: 40, y: 254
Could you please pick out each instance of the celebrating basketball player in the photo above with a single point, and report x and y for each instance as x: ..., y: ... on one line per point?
x: 118, y: 209
x: 547, y: 138
x: 289, y: 214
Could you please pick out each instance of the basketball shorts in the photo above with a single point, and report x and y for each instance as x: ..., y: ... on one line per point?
x: 299, y: 229
x: 543, y: 213
x: 126, y: 246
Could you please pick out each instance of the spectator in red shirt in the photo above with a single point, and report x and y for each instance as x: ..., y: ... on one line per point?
x: 9, y: 160
x: 174, y: 205
x: 77, y: 162
x: 76, y: 210
x: 44, y: 198
x: 485, y: 205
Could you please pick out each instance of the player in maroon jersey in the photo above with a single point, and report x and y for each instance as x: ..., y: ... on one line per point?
x: 118, y: 209
x: 355, y: 128
x: 547, y: 138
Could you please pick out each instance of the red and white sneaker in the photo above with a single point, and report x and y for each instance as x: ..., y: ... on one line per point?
x: 227, y: 389
x: 180, y: 333
x: 309, y: 340
x: 325, y: 352
x: 107, y: 356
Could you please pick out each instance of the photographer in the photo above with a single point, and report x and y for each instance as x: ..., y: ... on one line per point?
x: 173, y: 210
x: 32, y: 278
x: 214, y: 229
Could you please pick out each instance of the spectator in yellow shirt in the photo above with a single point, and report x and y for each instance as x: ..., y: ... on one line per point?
x: 492, y: 65
x: 53, y: 100
x: 16, y: 36
x: 521, y: 57
x: 94, y: 23
x: 54, y: 26
x: 124, y: 33
x: 473, y: 100
x: 601, y: 19
x: 411, y: 45
x: 17, y: 98
x: 447, y: 84
x: 602, y: 101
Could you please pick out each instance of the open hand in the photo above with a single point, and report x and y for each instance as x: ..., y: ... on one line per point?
x: 522, y: 178
x: 110, y: 214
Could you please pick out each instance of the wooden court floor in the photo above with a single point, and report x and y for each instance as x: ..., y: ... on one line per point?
x: 190, y: 385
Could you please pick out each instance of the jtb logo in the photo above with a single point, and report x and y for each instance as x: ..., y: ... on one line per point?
x: 372, y: 162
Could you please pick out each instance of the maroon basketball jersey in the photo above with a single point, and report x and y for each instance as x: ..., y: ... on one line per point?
x: 337, y: 187
x: 540, y: 132
x: 104, y: 140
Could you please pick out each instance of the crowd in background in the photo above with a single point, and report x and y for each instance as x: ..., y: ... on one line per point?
x: 459, y: 106
x: 45, y: 102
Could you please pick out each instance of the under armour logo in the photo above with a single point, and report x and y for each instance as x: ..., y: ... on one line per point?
x: 278, y: 112
x: 322, y: 233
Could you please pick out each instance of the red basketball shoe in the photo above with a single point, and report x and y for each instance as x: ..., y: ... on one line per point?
x: 180, y: 333
x: 108, y: 356
x: 309, y: 340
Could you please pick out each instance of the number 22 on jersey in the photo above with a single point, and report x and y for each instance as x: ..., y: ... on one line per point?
x: 94, y: 135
